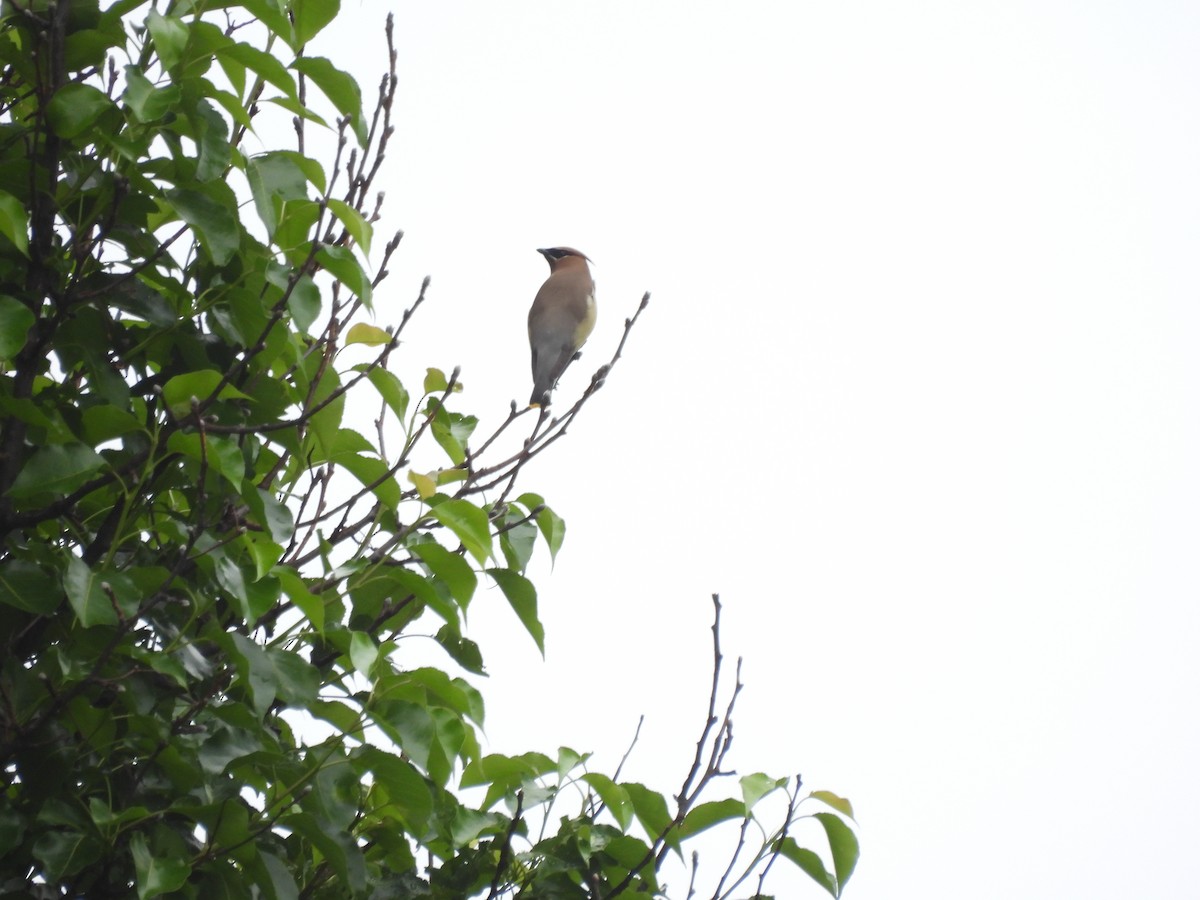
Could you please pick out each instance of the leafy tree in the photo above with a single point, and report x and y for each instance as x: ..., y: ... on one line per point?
x: 204, y: 568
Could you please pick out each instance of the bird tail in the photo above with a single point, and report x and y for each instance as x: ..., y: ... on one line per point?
x: 540, y: 396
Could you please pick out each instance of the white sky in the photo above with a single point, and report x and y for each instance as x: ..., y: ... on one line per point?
x: 917, y: 393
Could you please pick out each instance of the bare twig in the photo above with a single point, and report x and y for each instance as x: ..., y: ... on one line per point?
x: 636, y: 733
x: 700, y: 774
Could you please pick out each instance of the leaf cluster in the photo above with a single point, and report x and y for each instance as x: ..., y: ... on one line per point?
x: 207, y: 558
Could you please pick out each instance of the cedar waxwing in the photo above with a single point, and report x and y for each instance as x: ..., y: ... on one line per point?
x: 561, y: 318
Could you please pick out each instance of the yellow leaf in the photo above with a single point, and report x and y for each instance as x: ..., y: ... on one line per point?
x: 362, y: 333
x: 426, y: 486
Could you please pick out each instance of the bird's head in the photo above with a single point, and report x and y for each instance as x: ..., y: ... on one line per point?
x: 557, y: 256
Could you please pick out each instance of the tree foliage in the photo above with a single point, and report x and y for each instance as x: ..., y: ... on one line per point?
x: 205, y: 564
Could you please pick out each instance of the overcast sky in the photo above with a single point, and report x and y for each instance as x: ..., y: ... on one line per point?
x: 917, y: 393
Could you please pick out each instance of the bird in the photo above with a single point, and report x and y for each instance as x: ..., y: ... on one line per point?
x: 561, y: 318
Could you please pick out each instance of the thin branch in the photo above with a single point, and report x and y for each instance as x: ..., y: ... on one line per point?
x: 506, y: 847
x: 737, y: 851
x: 636, y: 733
x: 777, y: 843
x: 698, y: 775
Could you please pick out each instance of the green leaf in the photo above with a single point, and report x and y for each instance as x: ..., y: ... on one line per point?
x: 756, y: 786
x: 356, y: 226
x: 103, y: 423
x: 295, y: 226
x: 404, y: 784
x: 222, y: 454
x: 505, y: 774
x: 230, y: 576
x: 450, y: 735
x: 435, y: 381
x: 304, y: 303
x: 341, y: 89
x: 391, y: 390
x: 629, y: 853
x: 451, y: 569
x: 103, y: 815
x: 706, y: 815
x: 215, y: 225
x: 615, y: 797
x: 334, y: 798
x: 269, y: 512
x: 56, y: 469
x: 325, y: 425
x: 469, y: 524
x: 342, y: 717
x: 96, y: 596
x: 362, y: 333
x: 309, y: 17
x: 63, y: 853
x: 60, y: 811
x: 651, y: 810
x: 145, y: 101
x: 54, y: 429
x: 522, y: 596
x: 212, y: 136
x: 403, y: 582
x: 226, y: 745
x: 179, y: 391
x: 274, y: 178
x: 264, y: 551
x: 306, y: 601
x: 408, y: 724
x: 15, y: 317
x: 348, y: 442
x: 156, y: 875
x: 85, y: 48
x: 373, y: 473
x: 554, y: 530
x: 12, y: 827
x: 170, y: 37
x: 24, y: 585
x: 809, y: 863
x: 517, y: 541
x: 363, y: 652
x: 137, y: 296
x: 450, y: 476
x: 841, y: 804
x: 463, y: 651
x: 271, y: 672
x: 76, y: 107
x: 14, y: 225
x: 274, y: 876
x: 842, y: 844
x: 262, y: 64
x: 468, y: 825
x: 552, y: 527
x: 272, y: 13
x: 233, y: 829
x: 433, y: 687
x: 345, y: 267
x: 452, y: 431
x: 568, y: 759
x: 120, y: 8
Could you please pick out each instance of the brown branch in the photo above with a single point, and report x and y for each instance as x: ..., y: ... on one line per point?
x: 636, y: 734
x: 699, y: 774
x: 506, y: 847
x: 535, y: 444
x: 777, y: 843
